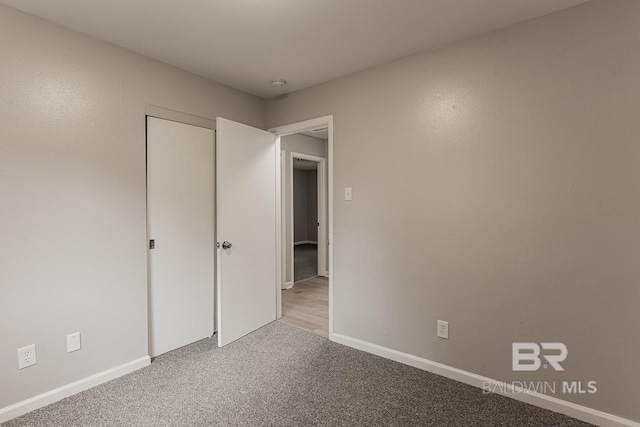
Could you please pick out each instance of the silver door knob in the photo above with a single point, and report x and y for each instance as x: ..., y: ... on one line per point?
x: 226, y: 245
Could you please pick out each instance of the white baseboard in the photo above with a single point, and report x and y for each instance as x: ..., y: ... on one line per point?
x: 305, y: 242
x: 537, y: 399
x: 288, y: 285
x: 305, y: 280
x: 9, y: 412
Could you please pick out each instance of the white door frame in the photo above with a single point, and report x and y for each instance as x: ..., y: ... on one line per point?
x: 282, y: 277
x: 322, y: 209
x: 307, y: 125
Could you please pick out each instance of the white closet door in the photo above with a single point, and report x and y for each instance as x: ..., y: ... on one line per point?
x: 180, y: 212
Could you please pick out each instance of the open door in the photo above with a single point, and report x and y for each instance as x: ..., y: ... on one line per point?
x: 246, y: 161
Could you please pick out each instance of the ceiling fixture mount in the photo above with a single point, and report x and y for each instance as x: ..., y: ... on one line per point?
x: 279, y: 83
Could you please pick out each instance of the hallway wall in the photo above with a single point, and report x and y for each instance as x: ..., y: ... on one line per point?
x: 305, y: 201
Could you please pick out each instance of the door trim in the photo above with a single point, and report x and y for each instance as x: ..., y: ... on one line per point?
x: 322, y: 208
x: 297, y: 128
x: 280, y: 229
x: 178, y: 116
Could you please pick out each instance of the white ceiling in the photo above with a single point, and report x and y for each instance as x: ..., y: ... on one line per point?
x: 247, y: 43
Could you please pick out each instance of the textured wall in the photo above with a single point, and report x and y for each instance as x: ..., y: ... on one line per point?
x: 72, y: 186
x: 496, y: 185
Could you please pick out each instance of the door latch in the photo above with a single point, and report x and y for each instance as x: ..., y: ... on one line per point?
x: 152, y: 244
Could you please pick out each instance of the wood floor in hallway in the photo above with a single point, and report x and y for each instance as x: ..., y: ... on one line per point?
x: 306, y: 305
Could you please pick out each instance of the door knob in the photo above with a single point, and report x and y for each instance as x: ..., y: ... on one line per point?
x: 226, y: 245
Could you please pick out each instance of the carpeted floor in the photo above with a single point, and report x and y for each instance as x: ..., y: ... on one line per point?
x: 284, y: 376
x: 305, y: 261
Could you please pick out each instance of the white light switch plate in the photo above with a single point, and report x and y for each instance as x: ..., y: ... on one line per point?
x: 348, y: 193
x: 73, y: 342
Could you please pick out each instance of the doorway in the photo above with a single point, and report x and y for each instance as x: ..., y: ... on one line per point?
x: 311, y: 125
x: 305, y: 288
x: 306, y: 219
x: 306, y: 216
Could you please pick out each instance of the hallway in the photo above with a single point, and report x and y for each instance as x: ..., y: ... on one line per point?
x: 306, y: 305
x: 305, y: 261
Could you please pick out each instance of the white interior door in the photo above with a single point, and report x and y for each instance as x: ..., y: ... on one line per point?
x: 180, y: 210
x: 246, y: 165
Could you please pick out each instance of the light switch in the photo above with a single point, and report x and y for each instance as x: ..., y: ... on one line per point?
x: 348, y: 194
x: 73, y: 342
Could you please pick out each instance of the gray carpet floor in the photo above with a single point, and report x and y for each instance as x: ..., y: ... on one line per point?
x: 284, y: 376
x: 305, y: 261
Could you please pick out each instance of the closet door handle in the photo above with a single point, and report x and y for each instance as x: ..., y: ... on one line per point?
x: 226, y: 245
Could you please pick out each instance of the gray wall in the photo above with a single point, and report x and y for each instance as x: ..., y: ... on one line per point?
x: 72, y: 185
x: 297, y: 143
x: 496, y: 187
x: 305, y: 205
x: 300, y: 206
x: 312, y: 205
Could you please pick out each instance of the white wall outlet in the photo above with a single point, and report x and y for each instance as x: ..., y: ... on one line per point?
x: 443, y: 329
x: 348, y: 193
x: 73, y: 342
x: 27, y: 356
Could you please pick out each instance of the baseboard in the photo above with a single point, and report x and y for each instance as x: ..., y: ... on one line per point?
x: 49, y: 397
x: 304, y: 280
x: 288, y: 285
x: 305, y: 242
x: 544, y: 401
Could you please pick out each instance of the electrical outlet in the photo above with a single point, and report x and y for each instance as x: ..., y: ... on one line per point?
x: 443, y: 329
x: 27, y: 356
